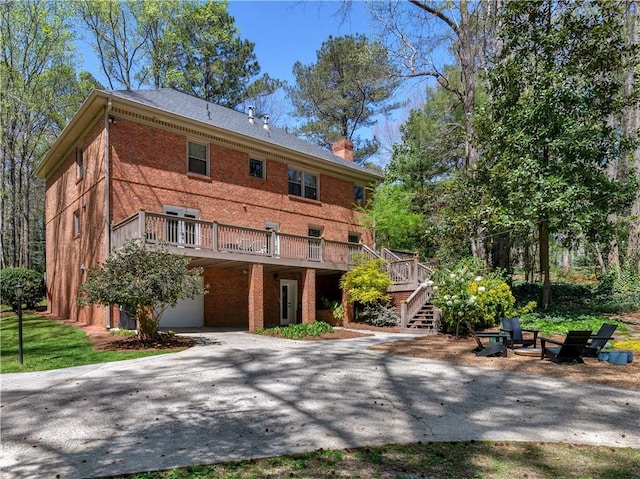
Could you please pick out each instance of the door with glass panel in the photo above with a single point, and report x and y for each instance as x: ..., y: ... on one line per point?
x: 179, y: 230
x: 288, y: 301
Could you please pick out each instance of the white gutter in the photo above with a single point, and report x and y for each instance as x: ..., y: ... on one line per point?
x: 107, y: 211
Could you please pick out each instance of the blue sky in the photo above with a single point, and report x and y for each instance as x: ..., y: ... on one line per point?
x: 285, y: 32
x: 288, y: 31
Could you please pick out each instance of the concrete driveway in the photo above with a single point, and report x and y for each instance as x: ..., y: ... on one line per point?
x: 241, y: 396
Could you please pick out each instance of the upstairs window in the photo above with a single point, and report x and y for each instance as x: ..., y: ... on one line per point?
x: 76, y: 223
x: 358, y: 194
x: 256, y: 168
x: 79, y: 164
x: 353, y: 238
x: 197, y: 158
x: 303, y: 184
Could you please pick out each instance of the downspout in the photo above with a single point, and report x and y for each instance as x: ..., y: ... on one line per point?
x: 107, y: 211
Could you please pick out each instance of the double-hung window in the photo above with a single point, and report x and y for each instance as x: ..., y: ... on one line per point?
x: 358, y: 194
x: 303, y: 184
x: 197, y: 158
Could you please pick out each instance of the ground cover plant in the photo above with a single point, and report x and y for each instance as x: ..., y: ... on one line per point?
x: 458, y: 460
x: 298, y: 331
x: 50, y: 344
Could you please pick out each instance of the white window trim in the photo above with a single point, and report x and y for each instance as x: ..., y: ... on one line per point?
x: 207, y: 157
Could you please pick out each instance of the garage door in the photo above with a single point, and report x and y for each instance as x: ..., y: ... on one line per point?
x: 187, y: 313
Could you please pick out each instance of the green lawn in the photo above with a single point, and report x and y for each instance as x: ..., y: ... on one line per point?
x: 49, y: 344
x: 457, y: 460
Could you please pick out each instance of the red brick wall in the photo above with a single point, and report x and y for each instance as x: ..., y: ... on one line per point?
x: 148, y: 168
x: 149, y: 171
x: 67, y: 252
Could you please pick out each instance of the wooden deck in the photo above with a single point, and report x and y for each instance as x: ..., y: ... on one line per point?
x: 223, y: 245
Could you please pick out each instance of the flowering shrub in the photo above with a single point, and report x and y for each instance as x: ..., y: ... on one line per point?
x: 483, y: 300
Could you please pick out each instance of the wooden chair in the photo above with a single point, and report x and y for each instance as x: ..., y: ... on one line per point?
x: 488, y: 349
x: 568, y: 351
x: 599, y: 340
x: 512, y: 326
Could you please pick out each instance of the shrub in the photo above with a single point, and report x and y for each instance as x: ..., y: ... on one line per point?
x: 367, y: 283
x: 471, y: 294
x: 32, y: 284
x: 297, y: 331
x: 381, y: 315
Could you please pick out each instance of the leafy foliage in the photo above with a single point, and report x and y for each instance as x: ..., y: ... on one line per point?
x: 547, y: 134
x: 563, y: 321
x: 390, y: 215
x: 143, y: 281
x: 367, y: 283
x: 32, y: 284
x: 39, y: 90
x: 297, y: 331
x: 467, y: 293
x: 381, y: 315
x: 188, y: 45
x: 351, y: 82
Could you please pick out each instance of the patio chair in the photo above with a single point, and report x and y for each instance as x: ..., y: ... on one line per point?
x: 568, y: 351
x: 512, y: 326
x: 487, y: 349
x: 599, y: 340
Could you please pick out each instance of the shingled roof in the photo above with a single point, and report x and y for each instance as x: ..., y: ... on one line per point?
x: 192, y: 108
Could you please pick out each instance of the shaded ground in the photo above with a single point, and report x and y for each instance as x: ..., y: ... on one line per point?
x: 441, y: 348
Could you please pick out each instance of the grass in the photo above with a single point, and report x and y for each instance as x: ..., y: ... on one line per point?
x: 49, y: 344
x: 459, y: 460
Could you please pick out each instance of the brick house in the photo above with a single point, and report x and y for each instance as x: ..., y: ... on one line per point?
x: 269, y: 217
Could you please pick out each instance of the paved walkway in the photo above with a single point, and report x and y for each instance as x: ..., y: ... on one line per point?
x: 241, y: 396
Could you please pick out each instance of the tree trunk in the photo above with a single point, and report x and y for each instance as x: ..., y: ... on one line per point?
x: 543, y: 233
x: 630, y: 123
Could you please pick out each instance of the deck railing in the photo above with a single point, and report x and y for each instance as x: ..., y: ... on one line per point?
x: 205, y: 236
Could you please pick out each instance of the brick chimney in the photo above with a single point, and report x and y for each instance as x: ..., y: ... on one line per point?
x: 343, y: 148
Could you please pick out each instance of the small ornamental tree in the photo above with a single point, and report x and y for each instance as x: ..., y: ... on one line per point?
x: 143, y: 281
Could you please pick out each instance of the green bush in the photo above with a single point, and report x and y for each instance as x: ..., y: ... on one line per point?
x: 297, y: 331
x: 32, y: 284
x: 381, y: 315
x: 367, y: 283
x: 467, y: 293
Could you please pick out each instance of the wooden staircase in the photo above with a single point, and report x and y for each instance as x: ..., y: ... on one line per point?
x: 417, y: 313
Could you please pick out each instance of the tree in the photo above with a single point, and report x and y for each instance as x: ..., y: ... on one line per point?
x: 119, y: 38
x: 39, y: 91
x: 393, y: 220
x: 351, y: 82
x: 188, y: 45
x: 548, y: 135
x: 211, y: 61
x: 143, y: 281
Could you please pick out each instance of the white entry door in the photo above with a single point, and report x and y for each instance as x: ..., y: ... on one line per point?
x: 288, y: 301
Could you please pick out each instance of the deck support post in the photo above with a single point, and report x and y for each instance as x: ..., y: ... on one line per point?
x: 256, y: 296
x: 308, y: 295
